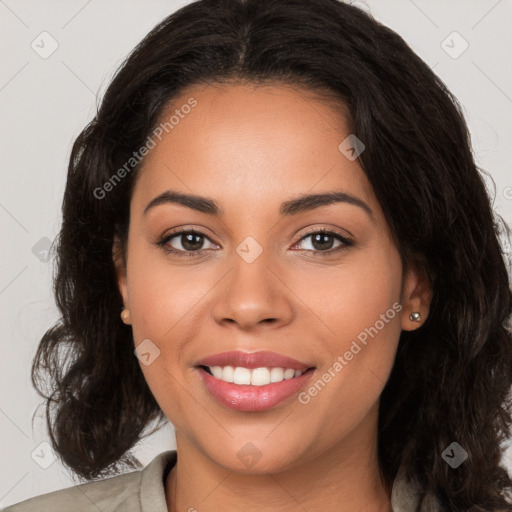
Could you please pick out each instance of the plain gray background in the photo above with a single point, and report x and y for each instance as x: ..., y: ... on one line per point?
x: 45, y: 103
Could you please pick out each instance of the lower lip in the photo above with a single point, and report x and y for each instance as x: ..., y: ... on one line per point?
x: 253, y: 398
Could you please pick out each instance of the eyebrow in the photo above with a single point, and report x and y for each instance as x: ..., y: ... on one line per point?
x: 299, y: 204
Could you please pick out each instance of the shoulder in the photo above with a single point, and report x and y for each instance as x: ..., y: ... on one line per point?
x: 407, y: 494
x: 124, y: 493
x: 105, y: 495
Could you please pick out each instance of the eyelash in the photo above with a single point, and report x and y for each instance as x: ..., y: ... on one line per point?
x: 162, y: 243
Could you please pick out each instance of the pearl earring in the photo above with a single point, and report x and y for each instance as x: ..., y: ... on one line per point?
x: 415, y: 316
x: 125, y: 314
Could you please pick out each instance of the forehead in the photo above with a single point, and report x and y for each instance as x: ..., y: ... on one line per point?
x: 247, y: 143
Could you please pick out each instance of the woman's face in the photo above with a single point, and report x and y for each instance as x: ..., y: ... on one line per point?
x: 259, y: 277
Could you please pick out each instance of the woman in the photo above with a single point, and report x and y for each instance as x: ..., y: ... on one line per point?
x: 280, y: 199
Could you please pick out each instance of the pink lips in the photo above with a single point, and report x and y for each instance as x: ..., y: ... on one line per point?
x: 253, y: 360
x: 247, y: 397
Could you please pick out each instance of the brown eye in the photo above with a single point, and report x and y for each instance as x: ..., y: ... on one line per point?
x: 189, y: 241
x: 185, y: 242
x: 324, y: 241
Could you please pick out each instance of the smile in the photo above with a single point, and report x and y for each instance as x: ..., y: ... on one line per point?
x: 254, y: 377
x: 243, y: 395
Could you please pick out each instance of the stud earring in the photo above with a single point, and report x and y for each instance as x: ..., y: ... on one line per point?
x: 415, y: 316
x: 125, y: 314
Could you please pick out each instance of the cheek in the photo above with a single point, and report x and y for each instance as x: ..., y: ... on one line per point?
x: 162, y: 303
x: 360, y: 306
x: 360, y: 294
x: 370, y: 318
x: 160, y: 294
x: 167, y: 303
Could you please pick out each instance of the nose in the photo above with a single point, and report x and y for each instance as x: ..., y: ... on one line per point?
x: 253, y: 295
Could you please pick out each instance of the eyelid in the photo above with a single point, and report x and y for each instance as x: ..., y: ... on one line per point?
x: 329, y: 230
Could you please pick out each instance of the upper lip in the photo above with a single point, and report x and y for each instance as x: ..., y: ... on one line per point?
x: 253, y: 360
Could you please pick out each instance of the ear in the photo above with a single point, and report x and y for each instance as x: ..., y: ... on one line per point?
x: 416, y: 297
x: 120, y: 265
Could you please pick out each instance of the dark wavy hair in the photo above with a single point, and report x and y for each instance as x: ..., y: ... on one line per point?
x: 451, y: 377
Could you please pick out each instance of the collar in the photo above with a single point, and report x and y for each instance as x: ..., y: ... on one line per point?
x: 406, y: 495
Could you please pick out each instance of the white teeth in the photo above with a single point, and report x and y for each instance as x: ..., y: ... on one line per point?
x: 217, y: 371
x: 260, y: 376
x: 242, y: 375
x: 289, y: 373
x: 276, y: 375
x: 256, y: 377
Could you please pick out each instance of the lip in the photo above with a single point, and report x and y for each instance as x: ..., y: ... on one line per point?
x: 249, y: 398
x: 253, y: 360
x: 253, y: 398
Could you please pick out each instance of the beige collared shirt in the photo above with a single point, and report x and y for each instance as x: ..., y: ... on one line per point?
x: 144, y: 491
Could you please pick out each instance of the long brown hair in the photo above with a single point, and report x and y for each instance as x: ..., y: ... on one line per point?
x: 451, y: 378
